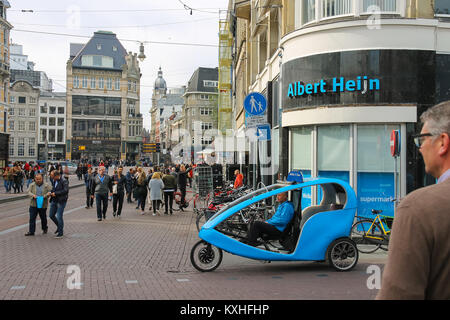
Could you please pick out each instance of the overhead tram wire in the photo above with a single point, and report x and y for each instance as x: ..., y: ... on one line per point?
x: 205, y: 10
x: 125, y: 40
x: 110, y: 27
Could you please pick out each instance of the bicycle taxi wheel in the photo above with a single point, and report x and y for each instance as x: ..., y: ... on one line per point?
x: 366, y: 234
x: 205, y: 257
x: 342, y: 254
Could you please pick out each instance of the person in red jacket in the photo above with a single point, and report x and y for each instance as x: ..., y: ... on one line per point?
x: 239, y: 181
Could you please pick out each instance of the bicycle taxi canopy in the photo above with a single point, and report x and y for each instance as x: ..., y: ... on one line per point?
x: 320, y: 224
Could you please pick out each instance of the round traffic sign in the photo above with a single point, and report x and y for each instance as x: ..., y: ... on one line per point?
x: 255, y: 104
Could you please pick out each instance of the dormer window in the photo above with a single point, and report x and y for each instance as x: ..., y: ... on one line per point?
x: 97, y: 61
x: 99, y: 46
x: 114, y: 48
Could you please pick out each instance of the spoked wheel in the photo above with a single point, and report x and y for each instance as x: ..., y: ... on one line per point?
x: 206, y: 257
x: 365, y: 233
x: 342, y: 254
x: 201, y: 220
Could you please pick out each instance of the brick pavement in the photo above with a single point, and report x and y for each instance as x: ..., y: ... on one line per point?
x: 146, y: 257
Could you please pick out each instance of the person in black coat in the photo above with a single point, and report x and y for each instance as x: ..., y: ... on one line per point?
x: 59, y: 196
x: 119, y: 181
x: 129, y: 185
x: 182, y: 182
x: 88, y: 181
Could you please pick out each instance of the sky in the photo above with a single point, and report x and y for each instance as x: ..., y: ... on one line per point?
x: 133, y: 21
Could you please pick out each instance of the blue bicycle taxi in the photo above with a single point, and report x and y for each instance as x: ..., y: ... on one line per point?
x: 318, y: 233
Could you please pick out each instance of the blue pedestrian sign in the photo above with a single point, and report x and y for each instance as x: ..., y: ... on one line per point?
x: 255, y: 104
x: 263, y: 132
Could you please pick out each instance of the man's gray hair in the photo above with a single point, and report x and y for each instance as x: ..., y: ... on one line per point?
x: 438, y: 118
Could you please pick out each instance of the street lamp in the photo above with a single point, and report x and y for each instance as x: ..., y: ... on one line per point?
x: 141, y: 55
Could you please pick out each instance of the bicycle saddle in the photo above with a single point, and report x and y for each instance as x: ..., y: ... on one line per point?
x: 376, y: 211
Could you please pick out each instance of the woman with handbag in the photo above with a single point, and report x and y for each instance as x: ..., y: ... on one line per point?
x: 118, y: 189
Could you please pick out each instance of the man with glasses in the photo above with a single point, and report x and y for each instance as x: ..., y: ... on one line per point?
x: 419, y: 249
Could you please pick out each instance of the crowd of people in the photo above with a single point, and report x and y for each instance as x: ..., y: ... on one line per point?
x: 16, y: 175
x: 155, y: 187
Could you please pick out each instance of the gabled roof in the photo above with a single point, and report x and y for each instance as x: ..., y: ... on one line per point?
x: 196, y: 84
x: 75, y: 48
x: 102, y: 44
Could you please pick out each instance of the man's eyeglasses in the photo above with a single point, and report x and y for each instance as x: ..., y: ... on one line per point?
x: 419, y: 138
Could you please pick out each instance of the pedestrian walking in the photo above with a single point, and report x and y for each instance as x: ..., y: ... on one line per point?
x: 59, y: 196
x: 130, y: 183
x: 29, y: 174
x: 79, y: 172
x: 418, y: 261
x: 156, y: 186
x: 39, y: 193
x: 141, y: 189
x: 7, y: 174
x: 118, y: 191
x: 101, y: 186
x: 88, y: 181
x: 170, y: 187
x: 182, y: 182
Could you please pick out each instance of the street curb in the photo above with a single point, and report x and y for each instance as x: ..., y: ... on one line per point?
x: 26, y: 196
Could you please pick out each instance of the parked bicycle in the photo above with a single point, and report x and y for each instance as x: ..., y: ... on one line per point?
x: 372, y: 234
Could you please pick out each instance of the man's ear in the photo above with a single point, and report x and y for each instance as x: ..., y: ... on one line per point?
x: 445, y: 146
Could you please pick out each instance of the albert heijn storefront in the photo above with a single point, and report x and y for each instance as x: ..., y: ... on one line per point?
x: 341, y: 107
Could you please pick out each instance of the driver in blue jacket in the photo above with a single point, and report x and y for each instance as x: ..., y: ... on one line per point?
x: 275, y: 225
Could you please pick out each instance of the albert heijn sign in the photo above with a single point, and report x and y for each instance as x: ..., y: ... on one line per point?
x: 362, y: 84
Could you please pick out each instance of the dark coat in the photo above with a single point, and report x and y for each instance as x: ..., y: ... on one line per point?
x: 61, y: 190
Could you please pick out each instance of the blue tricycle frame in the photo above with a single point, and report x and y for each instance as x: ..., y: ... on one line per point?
x: 323, y: 235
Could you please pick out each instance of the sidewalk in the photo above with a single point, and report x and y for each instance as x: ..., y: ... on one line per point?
x: 148, y: 257
x: 7, y: 197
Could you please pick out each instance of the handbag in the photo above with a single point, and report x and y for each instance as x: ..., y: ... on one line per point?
x: 114, y: 189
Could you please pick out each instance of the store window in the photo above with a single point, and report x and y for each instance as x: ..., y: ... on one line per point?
x: 442, y: 7
x: 301, y: 149
x: 333, y: 151
x: 375, y: 169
